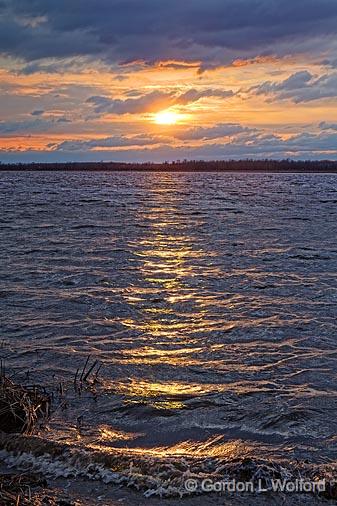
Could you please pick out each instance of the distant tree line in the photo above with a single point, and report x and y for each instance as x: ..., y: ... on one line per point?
x: 184, y: 165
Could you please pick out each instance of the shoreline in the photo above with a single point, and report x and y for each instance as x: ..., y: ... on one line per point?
x: 196, y: 166
x: 218, y: 171
x: 139, y: 480
x: 82, y: 492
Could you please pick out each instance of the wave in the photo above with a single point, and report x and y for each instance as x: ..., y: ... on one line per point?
x: 160, y: 471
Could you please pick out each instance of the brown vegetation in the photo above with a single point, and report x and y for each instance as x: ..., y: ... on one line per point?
x: 20, y: 408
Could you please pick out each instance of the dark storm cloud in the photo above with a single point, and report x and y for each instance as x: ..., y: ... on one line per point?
x: 42, y: 42
x: 152, y: 30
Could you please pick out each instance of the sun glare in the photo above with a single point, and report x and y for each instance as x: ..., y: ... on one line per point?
x: 166, y: 118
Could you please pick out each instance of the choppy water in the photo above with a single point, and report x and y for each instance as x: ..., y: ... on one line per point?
x: 209, y: 299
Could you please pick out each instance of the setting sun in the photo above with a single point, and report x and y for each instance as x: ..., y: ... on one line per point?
x: 166, y: 118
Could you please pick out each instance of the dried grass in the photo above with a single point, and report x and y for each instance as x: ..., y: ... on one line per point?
x: 29, y: 490
x: 21, y: 407
x: 16, y: 490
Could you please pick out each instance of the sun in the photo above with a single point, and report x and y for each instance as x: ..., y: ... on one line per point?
x: 166, y: 118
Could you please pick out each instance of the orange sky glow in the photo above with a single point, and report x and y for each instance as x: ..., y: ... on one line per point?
x: 74, y: 106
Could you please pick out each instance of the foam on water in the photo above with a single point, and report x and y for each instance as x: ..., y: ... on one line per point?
x: 159, y: 471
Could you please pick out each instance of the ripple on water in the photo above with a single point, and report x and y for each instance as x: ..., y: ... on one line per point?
x: 208, y: 299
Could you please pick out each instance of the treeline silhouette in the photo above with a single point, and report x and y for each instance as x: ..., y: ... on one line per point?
x: 184, y: 165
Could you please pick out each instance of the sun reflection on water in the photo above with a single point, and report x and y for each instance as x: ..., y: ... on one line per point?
x: 214, y: 447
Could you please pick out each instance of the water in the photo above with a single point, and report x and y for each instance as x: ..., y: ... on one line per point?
x: 209, y: 299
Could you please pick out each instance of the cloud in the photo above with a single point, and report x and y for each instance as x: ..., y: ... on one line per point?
x: 244, y: 142
x: 328, y: 126
x: 195, y: 95
x: 29, y: 126
x: 107, y: 142
x: 214, y: 132
x: 55, y: 66
x: 260, y: 145
x: 152, y: 102
x: 332, y: 63
x: 12, y: 127
x: 37, y: 112
x: 299, y: 87
x: 213, y: 32
x: 63, y: 119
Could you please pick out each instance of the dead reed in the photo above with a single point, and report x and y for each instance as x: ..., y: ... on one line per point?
x: 21, y: 406
x: 17, y: 490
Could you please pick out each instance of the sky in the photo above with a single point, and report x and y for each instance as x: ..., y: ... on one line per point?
x: 156, y: 80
